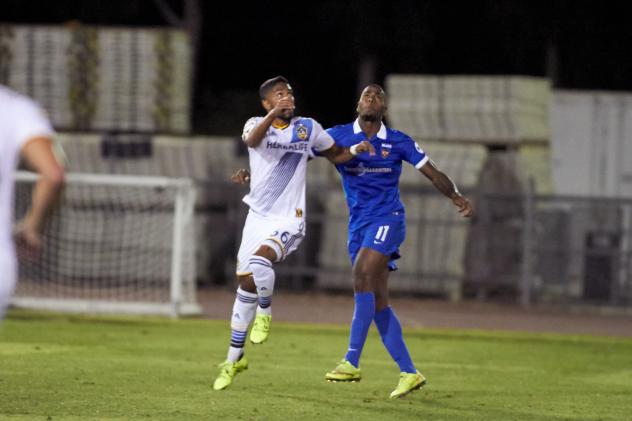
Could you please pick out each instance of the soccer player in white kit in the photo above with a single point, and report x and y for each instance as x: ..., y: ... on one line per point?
x: 24, y: 131
x: 279, y: 145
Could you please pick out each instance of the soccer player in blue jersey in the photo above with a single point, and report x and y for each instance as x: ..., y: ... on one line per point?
x: 377, y: 228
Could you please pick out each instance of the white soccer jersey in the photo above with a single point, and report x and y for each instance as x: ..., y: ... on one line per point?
x: 278, y: 166
x: 20, y: 120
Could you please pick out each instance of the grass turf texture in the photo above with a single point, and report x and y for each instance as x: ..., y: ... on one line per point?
x: 75, y: 368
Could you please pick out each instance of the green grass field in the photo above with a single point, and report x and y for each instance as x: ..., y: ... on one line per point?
x: 63, y: 367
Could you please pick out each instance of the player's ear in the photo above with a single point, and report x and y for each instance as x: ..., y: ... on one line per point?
x: 266, y: 104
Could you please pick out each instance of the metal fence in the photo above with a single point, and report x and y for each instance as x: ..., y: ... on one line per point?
x: 547, y: 248
x: 529, y: 248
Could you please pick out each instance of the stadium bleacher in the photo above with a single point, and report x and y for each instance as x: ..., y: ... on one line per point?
x: 470, y: 109
x: 103, y: 78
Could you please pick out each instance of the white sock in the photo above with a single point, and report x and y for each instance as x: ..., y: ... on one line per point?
x: 7, y: 283
x: 242, y: 316
x: 263, y: 275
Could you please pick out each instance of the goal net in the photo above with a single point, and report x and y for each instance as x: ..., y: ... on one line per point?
x: 120, y: 244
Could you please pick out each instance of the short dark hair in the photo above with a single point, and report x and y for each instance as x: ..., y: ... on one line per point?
x: 269, y: 84
x: 376, y: 85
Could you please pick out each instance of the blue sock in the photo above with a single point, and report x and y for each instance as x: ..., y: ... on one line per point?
x: 362, y: 318
x: 391, y: 333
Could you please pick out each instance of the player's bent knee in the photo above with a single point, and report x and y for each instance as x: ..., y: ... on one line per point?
x: 362, y: 281
x: 364, y: 272
x: 270, y: 250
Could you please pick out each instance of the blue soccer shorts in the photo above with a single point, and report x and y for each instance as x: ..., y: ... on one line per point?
x: 383, y: 235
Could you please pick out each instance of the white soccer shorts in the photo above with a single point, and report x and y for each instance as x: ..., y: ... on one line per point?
x: 281, y: 234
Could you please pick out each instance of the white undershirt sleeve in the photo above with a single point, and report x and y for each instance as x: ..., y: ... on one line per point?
x: 322, y: 139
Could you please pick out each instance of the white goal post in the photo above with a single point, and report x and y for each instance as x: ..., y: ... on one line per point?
x: 113, y: 244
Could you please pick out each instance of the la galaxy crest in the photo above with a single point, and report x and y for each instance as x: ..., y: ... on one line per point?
x: 301, y: 132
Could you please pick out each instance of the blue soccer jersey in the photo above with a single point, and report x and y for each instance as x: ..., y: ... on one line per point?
x: 371, y: 186
x: 371, y: 183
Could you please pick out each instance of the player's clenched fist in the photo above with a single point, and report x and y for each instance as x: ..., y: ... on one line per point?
x: 284, y: 105
x: 464, y: 205
x: 241, y: 176
x: 364, y: 146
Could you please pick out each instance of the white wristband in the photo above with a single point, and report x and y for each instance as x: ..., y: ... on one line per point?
x: 353, y: 150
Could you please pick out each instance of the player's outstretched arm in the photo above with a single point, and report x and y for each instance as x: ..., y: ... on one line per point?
x: 38, y: 154
x: 445, y: 185
x: 339, y: 155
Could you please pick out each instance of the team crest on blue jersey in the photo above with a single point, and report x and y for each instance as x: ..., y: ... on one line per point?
x: 386, y: 150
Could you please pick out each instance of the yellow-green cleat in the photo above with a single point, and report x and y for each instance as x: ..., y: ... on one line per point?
x: 228, y: 371
x: 407, y: 383
x: 260, y: 328
x: 344, y: 372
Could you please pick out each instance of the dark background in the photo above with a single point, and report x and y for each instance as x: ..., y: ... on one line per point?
x: 322, y: 46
